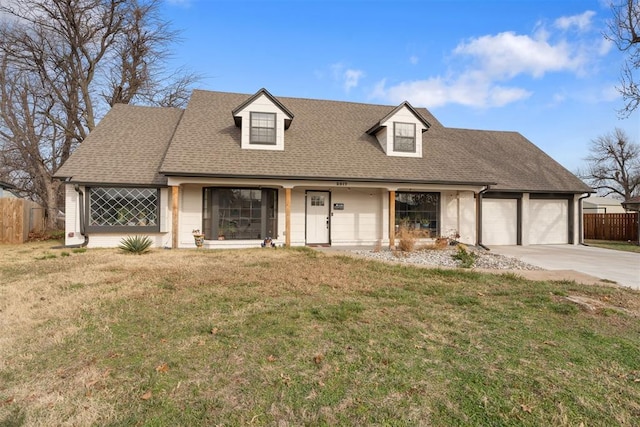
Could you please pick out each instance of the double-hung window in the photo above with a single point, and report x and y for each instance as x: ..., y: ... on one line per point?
x: 263, y: 128
x: 404, y: 137
x: 123, y: 209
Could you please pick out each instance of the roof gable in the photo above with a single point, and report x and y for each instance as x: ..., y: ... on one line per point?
x: 236, y: 111
x: 383, y: 121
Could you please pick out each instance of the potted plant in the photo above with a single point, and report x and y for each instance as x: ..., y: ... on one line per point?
x: 198, y: 237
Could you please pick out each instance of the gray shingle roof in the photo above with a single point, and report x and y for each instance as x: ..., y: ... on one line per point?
x: 327, y: 140
x: 126, y: 147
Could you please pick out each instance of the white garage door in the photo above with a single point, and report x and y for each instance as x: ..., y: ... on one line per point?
x: 548, y: 222
x: 499, y: 221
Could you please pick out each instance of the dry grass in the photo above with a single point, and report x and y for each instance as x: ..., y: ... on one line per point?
x: 407, y: 239
x: 268, y: 337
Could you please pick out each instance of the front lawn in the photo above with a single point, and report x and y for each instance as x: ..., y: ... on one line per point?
x: 297, y: 337
x: 615, y: 245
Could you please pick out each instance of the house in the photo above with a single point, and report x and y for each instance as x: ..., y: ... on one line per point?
x: 241, y: 168
x: 6, y: 190
x: 602, y: 205
x: 632, y: 204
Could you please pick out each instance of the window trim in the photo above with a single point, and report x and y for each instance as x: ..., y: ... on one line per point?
x: 121, y: 228
x: 395, y: 138
x: 252, y: 127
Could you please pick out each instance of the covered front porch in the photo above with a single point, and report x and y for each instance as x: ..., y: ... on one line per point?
x: 237, y: 213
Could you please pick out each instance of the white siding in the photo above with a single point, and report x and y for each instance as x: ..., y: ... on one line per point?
x: 526, y: 221
x: 113, y: 240
x: 458, y: 215
x: 166, y: 214
x: 449, y: 223
x: 262, y: 104
x: 72, y: 216
x: 382, y: 139
x: 190, y: 216
x: 359, y: 222
x: 297, y: 216
x: 384, y: 217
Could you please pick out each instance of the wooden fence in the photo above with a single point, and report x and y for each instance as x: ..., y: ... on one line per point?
x: 18, y: 218
x: 621, y: 227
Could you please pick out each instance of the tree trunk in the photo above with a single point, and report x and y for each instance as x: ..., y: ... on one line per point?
x: 53, y: 186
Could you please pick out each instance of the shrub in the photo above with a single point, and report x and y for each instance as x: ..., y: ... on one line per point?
x: 407, y: 239
x: 136, y: 244
x: 467, y: 259
x: 441, y: 243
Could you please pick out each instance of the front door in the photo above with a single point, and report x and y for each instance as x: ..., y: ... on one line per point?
x: 317, y: 217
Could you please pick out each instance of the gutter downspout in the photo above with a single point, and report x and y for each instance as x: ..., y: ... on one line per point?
x: 479, y: 224
x: 580, y: 219
x: 82, y: 227
x: 82, y: 219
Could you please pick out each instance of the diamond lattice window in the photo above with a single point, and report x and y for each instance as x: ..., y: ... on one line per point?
x: 123, y: 207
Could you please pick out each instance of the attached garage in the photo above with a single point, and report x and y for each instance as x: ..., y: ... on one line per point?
x: 500, y: 221
x: 548, y: 221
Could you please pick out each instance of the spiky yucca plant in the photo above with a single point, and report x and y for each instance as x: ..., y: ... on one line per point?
x: 136, y: 244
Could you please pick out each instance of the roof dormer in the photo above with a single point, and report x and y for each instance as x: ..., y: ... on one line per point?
x: 262, y: 120
x: 400, y: 132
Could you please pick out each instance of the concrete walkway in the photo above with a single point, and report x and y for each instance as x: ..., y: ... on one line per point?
x: 618, y: 266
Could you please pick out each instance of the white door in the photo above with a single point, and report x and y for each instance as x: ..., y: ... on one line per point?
x: 499, y: 221
x: 317, y: 217
x: 548, y: 222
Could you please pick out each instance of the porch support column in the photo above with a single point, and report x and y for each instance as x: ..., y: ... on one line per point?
x: 175, y: 193
x: 287, y: 217
x: 392, y: 219
x: 479, y: 216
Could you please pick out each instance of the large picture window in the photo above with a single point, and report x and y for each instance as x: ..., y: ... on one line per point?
x: 240, y: 213
x: 263, y: 128
x: 112, y: 209
x: 419, y: 211
x: 404, y: 137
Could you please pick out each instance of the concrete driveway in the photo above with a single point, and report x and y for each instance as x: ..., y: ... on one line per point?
x: 619, y: 266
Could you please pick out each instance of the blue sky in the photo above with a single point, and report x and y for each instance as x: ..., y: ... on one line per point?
x: 538, y: 67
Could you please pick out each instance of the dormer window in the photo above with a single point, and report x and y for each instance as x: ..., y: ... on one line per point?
x: 399, y: 133
x: 263, y: 128
x: 404, y: 137
x: 263, y: 121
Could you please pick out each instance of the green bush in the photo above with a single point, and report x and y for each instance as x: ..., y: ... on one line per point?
x: 136, y: 244
x: 467, y: 259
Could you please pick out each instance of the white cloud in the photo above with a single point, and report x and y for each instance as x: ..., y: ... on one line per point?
x: 508, y: 54
x: 488, y: 66
x: 413, y: 59
x: 609, y: 93
x: 582, y: 22
x: 351, y: 78
x: 348, y: 77
x: 436, y: 92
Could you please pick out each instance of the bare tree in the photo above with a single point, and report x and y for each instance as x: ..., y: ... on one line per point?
x: 63, y: 64
x: 613, y: 165
x: 624, y: 31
